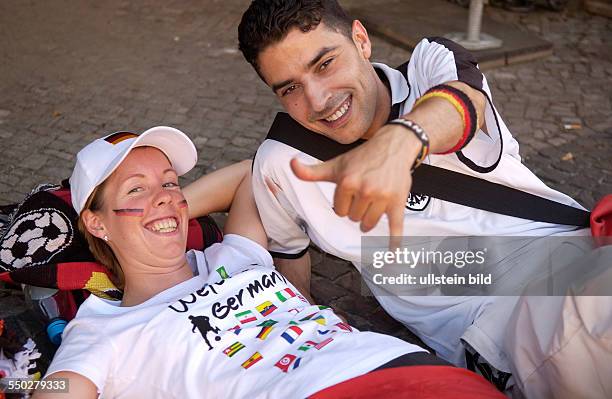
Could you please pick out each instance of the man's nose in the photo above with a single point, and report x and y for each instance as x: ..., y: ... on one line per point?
x: 318, y: 97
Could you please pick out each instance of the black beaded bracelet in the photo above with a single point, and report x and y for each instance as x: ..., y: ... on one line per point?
x: 420, y: 134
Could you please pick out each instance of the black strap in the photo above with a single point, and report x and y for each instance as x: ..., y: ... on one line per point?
x: 440, y: 183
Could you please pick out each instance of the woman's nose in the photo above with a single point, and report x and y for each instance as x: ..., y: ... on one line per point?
x: 162, y: 197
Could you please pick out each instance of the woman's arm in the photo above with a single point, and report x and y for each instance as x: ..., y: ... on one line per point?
x: 243, y: 218
x: 215, y: 191
x: 78, y: 387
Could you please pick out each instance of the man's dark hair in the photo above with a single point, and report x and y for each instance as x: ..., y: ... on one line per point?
x: 266, y: 22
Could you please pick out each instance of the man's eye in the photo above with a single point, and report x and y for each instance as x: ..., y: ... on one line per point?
x: 289, y: 90
x: 135, y: 190
x: 325, y: 64
x: 170, y: 185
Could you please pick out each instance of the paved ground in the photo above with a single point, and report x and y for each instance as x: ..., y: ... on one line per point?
x: 73, y: 70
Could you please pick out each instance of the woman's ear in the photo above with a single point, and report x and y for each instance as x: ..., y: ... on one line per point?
x: 361, y: 39
x: 93, y: 224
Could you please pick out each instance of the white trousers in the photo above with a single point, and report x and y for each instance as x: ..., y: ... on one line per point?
x: 555, y: 346
x: 561, y: 347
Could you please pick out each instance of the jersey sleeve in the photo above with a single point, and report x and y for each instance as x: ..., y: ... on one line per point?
x: 85, y: 351
x: 439, y: 60
x: 275, y: 193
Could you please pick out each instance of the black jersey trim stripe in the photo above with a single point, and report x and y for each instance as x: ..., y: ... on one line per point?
x: 467, y: 72
x: 465, y: 62
x: 471, y: 164
x: 282, y: 255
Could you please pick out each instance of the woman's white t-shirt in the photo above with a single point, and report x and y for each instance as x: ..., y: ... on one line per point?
x: 236, y: 329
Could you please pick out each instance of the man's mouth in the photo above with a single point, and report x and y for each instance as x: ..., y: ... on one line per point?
x: 164, y: 225
x: 340, y: 115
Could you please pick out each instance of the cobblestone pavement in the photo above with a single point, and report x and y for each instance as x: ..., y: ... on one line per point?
x: 71, y: 71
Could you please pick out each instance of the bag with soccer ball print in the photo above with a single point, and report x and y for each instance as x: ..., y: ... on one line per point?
x: 40, y: 244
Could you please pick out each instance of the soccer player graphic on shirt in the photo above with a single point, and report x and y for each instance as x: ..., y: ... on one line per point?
x: 202, y: 323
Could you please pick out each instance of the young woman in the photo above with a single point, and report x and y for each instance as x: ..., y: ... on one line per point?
x: 219, y: 323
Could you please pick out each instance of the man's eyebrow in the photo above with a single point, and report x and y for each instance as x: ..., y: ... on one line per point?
x: 169, y: 170
x: 320, y: 55
x: 313, y: 62
x: 280, y: 85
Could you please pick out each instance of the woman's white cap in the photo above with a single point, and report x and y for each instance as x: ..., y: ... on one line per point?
x: 100, y: 158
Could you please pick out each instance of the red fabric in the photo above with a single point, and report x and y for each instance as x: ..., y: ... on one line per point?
x: 414, y: 382
x: 64, y: 194
x: 601, y: 218
x: 6, y: 277
x: 67, y: 306
x: 75, y: 275
x: 195, y: 236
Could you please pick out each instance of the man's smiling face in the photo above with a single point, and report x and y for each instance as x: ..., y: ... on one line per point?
x: 325, y: 81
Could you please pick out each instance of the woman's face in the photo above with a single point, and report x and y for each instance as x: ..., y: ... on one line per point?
x: 143, y: 210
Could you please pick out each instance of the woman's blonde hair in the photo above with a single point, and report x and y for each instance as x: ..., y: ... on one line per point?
x: 101, y: 251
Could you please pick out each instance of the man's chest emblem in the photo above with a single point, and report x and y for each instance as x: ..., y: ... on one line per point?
x: 417, y: 202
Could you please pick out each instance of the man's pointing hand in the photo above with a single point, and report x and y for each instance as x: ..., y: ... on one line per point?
x: 371, y: 179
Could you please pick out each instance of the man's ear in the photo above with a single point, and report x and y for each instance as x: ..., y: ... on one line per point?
x: 361, y: 39
x: 93, y: 224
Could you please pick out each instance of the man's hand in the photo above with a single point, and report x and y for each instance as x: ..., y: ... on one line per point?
x: 371, y: 179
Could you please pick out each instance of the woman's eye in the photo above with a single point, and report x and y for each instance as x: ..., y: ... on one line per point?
x: 170, y: 185
x: 135, y: 190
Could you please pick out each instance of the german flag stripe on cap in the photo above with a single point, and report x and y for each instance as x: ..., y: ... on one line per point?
x: 118, y: 137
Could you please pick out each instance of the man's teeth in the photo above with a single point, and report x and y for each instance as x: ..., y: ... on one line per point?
x: 164, y: 225
x: 339, y: 113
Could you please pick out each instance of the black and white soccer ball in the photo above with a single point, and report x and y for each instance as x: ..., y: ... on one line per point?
x: 34, y: 238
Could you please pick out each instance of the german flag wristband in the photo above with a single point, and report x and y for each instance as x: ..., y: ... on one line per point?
x: 464, y: 106
x: 420, y: 134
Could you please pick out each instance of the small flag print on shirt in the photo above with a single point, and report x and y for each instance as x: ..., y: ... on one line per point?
x: 233, y: 349
x: 266, y: 308
x: 285, y: 294
x: 287, y: 361
x: 265, y: 331
x: 222, y: 272
x: 252, y: 360
x: 291, y: 334
x: 246, y: 317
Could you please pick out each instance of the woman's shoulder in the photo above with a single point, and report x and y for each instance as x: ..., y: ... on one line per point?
x: 95, y: 306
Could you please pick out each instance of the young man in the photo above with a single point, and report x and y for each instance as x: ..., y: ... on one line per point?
x: 316, y: 60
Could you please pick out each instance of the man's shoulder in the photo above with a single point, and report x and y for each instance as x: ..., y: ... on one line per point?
x: 274, y: 154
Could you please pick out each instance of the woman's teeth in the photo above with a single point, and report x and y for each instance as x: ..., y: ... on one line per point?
x: 339, y: 113
x: 167, y: 225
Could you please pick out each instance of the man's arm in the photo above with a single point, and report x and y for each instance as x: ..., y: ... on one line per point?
x: 297, y: 272
x: 440, y: 119
x: 375, y: 177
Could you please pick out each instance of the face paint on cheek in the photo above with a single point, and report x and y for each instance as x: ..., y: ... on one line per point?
x: 129, y: 212
x: 182, y: 204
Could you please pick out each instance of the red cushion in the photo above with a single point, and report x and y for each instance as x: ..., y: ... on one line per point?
x: 414, y: 382
x: 601, y: 218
